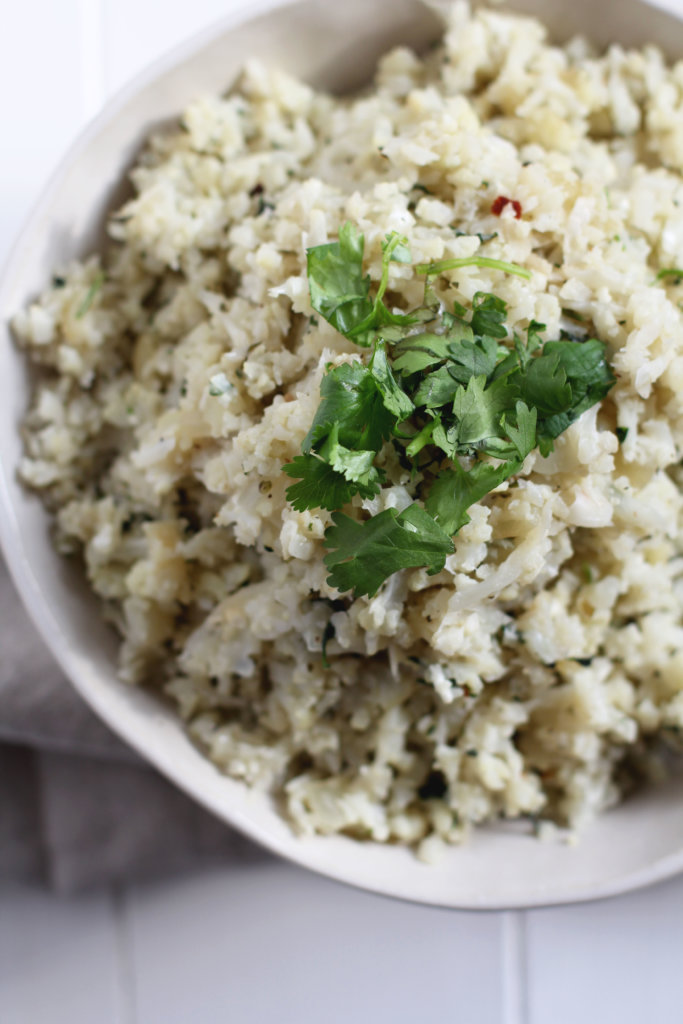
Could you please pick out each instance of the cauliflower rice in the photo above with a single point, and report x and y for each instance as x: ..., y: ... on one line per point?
x: 179, y: 371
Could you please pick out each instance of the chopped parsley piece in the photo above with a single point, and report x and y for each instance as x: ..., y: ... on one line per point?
x: 462, y: 403
x: 622, y: 434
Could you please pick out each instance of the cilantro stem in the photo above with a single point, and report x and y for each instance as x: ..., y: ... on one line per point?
x: 393, y: 243
x: 473, y: 261
x: 92, y: 291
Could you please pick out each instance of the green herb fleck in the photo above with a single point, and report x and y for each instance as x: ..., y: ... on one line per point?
x: 482, y: 236
x: 622, y: 434
x: 572, y: 315
x: 670, y: 272
x: 90, y: 295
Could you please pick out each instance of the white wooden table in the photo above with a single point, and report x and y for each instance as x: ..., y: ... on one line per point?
x: 267, y: 942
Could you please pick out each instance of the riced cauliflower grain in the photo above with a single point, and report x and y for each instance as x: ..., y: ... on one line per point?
x: 181, y: 369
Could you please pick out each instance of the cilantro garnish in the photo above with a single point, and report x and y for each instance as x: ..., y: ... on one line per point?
x: 458, y: 399
x: 363, y: 554
x: 323, y: 486
x: 340, y: 291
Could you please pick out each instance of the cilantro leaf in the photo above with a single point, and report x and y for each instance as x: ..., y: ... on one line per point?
x: 533, y: 343
x: 320, y: 485
x: 350, y: 398
x: 488, y: 315
x: 472, y: 358
x: 446, y: 438
x: 419, y: 351
x: 476, y: 417
x: 454, y: 490
x: 394, y: 249
x: 362, y: 555
x: 339, y: 290
x: 583, y: 362
x: 523, y: 433
x: 436, y: 389
x: 355, y: 466
x: 396, y: 401
x: 545, y: 385
x: 590, y: 378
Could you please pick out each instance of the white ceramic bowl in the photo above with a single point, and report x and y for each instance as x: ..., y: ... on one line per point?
x: 334, y: 46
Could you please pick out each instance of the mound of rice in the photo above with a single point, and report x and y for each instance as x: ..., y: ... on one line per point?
x: 182, y: 369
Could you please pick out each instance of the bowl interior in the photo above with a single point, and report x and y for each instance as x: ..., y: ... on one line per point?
x: 335, y: 47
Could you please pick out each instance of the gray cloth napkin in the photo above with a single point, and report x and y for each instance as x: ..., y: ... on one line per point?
x: 77, y: 807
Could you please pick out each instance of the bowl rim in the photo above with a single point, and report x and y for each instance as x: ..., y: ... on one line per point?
x: 37, y: 607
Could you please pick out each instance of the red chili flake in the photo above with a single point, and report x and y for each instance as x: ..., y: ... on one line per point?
x: 501, y: 202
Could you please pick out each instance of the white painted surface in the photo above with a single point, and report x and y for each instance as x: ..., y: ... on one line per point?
x: 58, y: 960
x: 618, y: 960
x: 268, y: 942
x: 126, y: 53
x: 42, y: 103
x: 274, y: 943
